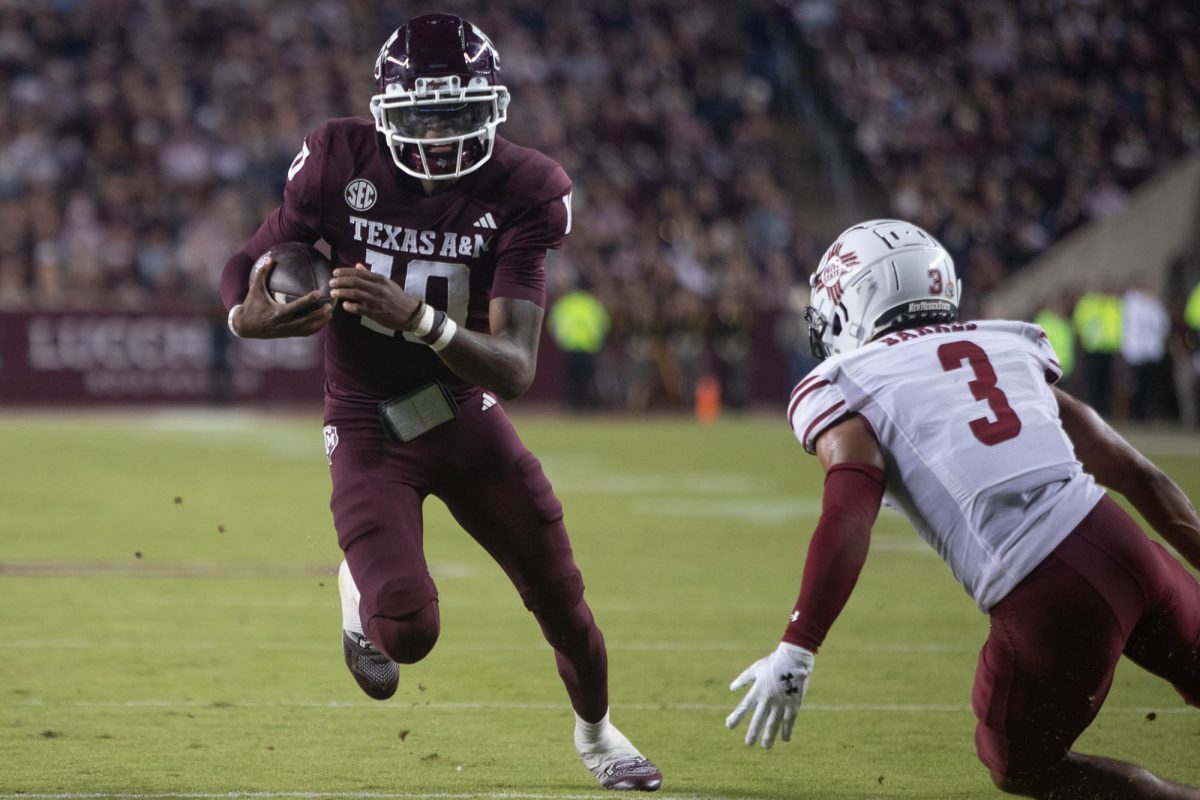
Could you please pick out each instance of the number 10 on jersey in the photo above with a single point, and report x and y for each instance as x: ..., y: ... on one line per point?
x: 418, y: 277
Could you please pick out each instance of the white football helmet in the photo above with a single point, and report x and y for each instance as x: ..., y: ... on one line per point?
x: 879, y: 276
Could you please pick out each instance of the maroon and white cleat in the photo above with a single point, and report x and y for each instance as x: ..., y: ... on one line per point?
x: 613, y: 759
x: 626, y: 774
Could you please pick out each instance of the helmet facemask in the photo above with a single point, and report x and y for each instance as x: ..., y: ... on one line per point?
x: 441, y: 130
x: 816, y: 333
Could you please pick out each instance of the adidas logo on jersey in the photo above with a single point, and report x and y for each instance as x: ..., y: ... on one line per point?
x: 488, y: 401
x: 486, y: 221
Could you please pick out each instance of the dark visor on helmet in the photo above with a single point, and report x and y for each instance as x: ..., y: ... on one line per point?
x: 437, y: 122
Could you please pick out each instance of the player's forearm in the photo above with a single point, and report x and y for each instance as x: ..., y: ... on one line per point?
x: 491, y: 362
x: 837, y: 551
x: 835, y: 558
x: 235, y: 277
x: 1168, y: 510
x: 1119, y: 466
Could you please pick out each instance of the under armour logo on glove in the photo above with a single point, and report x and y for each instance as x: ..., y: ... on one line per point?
x: 777, y: 686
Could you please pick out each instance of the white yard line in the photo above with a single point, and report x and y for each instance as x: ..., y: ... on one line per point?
x: 878, y: 648
x: 401, y: 706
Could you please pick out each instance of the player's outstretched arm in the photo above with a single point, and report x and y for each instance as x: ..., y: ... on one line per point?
x: 854, y: 484
x: 1118, y: 465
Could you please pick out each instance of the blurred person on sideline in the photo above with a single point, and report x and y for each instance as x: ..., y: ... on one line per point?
x: 1185, y: 347
x: 1097, y: 318
x: 1055, y: 320
x: 959, y: 426
x: 437, y: 322
x: 1145, y: 326
x: 733, y: 321
x: 579, y: 324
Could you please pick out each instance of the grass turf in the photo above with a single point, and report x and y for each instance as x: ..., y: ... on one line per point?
x: 169, y: 624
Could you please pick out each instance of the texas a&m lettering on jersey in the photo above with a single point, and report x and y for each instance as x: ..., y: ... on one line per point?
x: 976, y: 397
x: 486, y: 236
x: 446, y: 244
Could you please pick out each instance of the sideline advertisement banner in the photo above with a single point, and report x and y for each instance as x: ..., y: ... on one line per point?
x: 68, y: 358
x: 62, y: 357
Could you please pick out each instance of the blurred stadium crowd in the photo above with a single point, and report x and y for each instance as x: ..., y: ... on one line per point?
x: 141, y: 141
x: 1001, y: 126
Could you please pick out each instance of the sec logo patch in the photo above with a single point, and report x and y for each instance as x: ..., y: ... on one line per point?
x: 360, y: 194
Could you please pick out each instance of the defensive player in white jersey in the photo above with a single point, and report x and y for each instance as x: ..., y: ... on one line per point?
x: 959, y: 426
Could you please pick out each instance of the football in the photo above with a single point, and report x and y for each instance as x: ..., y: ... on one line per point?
x: 299, y: 269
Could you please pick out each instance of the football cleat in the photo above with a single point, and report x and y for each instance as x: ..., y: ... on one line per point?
x: 638, y: 774
x: 375, y: 673
x: 614, y: 760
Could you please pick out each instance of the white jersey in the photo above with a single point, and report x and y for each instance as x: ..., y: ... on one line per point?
x: 975, y: 455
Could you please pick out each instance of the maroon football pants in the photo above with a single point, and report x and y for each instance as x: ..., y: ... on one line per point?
x: 1055, y: 640
x: 496, y: 489
x: 491, y: 483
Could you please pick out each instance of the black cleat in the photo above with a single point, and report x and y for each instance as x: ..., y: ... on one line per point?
x: 376, y: 674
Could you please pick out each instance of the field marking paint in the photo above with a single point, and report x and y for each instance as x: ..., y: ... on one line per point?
x: 202, y: 570
x: 884, y: 648
x: 721, y: 708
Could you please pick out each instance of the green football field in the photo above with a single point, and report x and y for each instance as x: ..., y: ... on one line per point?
x: 169, y: 625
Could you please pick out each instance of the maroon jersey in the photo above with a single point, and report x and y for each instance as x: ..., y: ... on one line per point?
x: 484, y: 237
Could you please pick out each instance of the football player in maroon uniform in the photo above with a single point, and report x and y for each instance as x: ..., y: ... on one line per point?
x: 441, y: 228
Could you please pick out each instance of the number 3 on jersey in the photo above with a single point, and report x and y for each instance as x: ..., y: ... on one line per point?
x: 1007, y: 424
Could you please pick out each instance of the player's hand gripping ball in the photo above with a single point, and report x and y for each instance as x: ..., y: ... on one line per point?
x: 299, y: 269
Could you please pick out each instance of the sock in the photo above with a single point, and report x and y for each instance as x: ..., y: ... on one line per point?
x: 590, y: 733
x: 350, y: 600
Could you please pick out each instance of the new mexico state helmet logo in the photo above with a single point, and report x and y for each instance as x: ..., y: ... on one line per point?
x: 837, y: 264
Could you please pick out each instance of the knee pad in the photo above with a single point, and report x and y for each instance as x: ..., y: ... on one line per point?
x: 567, y: 627
x: 392, y: 588
x: 407, y: 639
x: 550, y: 598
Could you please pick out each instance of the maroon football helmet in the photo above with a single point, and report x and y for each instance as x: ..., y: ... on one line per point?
x: 439, y: 96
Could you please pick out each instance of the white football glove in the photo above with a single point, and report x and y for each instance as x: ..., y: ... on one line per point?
x: 780, y: 681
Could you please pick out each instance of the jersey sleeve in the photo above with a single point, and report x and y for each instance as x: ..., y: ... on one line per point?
x: 303, y: 192
x: 521, y: 247
x: 815, y: 405
x: 297, y: 219
x: 1043, y: 351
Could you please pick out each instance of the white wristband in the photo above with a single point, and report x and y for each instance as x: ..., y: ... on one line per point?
x: 425, y: 323
x: 448, y: 331
x: 229, y: 320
